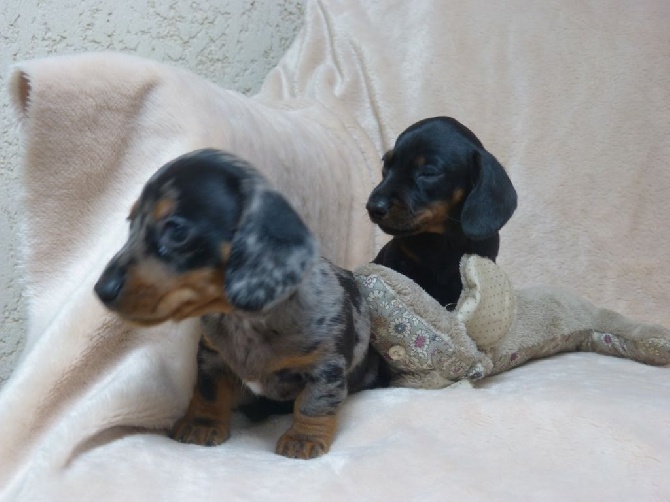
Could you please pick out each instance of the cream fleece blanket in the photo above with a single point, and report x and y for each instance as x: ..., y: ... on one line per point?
x: 572, y: 97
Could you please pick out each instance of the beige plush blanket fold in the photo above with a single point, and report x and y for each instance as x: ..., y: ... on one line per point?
x: 571, y: 96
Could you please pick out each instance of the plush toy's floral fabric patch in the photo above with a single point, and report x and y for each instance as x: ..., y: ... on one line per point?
x: 398, y: 334
x: 411, y: 343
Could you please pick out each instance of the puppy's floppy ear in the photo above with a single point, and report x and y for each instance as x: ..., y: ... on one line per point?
x: 491, y: 201
x: 270, y: 252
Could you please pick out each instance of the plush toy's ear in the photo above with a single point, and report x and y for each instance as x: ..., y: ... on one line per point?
x: 270, y: 253
x: 492, y: 200
x: 487, y: 304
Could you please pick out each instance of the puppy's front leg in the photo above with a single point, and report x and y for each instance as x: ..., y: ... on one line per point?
x: 207, y: 420
x: 315, y: 413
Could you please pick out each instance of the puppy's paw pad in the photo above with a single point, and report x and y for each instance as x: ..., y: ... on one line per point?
x: 299, y: 446
x: 204, y: 432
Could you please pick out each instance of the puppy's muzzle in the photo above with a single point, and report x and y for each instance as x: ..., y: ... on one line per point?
x: 110, y: 284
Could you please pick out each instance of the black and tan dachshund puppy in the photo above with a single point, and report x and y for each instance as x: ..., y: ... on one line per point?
x: 442, y: 195
x: 210, y: 237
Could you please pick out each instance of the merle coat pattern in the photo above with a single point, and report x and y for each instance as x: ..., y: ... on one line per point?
x: 210, y: 237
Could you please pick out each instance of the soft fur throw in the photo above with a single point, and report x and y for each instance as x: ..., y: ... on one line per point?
x: 570, y: 95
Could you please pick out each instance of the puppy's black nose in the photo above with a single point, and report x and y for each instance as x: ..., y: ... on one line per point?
x: 110, y: 284
x: 377, y: 208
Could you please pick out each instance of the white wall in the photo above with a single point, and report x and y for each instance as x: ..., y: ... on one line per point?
x: 231, y: 42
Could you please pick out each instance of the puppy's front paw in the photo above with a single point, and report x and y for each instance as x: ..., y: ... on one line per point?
x: 202, y: 431
x: 296, y: 445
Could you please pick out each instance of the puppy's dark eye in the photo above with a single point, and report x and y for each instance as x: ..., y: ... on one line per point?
x: 175, y: 232
x: 428, y: 172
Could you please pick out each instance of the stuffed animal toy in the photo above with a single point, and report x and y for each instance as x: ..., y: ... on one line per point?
x: 493, y: 327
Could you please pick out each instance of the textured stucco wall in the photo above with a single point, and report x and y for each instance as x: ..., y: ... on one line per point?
x: 231, y: 42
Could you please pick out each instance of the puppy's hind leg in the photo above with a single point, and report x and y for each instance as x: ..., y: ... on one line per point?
x: 315, y: 413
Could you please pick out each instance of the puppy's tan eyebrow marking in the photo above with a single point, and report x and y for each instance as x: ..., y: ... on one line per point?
x: 388, y: 156
x: 163, y: 208
x: 419, y: 160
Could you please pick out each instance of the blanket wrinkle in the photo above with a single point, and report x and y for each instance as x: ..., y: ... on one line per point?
x: 571, y: 96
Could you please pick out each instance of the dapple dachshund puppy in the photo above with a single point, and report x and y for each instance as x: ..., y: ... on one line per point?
x: 442, y: 195
x: 210, y: 237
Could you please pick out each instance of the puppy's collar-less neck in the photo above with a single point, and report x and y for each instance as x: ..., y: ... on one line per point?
x: 432, y: 241
x: 430, y: 250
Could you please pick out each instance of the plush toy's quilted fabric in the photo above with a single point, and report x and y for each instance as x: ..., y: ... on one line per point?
x: 487, y: 304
